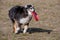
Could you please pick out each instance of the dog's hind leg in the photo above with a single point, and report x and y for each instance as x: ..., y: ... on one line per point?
x: 15, y: 27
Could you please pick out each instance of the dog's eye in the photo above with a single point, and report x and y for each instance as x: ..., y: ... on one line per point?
x: 31, y: 8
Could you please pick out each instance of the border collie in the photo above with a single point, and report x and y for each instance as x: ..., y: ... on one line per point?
x: 21, y: 15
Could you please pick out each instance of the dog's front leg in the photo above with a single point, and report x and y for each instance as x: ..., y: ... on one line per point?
x: 25, y: 28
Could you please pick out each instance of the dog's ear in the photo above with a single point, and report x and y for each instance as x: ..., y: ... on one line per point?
x: 28, y: 6
x: 25, y: 6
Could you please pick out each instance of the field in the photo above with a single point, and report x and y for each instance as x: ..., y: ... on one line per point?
x: 47, y: 28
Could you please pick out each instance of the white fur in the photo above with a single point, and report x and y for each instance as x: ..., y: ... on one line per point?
x: 24, y: 20
x: 29, y: 13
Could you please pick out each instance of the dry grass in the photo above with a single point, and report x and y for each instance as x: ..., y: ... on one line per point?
x: 49, y: 13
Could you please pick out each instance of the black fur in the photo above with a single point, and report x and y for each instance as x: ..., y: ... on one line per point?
x: 17, y: 12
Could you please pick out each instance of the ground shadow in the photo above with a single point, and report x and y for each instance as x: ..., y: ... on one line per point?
x: 33, y: 30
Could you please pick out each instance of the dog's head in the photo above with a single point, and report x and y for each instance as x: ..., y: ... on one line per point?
x: 31, y: 9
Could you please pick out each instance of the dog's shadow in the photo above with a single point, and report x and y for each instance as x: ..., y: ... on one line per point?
x: 33, y: 30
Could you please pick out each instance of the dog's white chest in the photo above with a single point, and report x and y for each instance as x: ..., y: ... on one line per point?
x: 25, y: 20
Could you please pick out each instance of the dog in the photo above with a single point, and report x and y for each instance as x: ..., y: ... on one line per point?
x: 21, y: 15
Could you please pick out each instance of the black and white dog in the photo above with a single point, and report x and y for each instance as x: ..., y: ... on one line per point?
x: 21, y: 15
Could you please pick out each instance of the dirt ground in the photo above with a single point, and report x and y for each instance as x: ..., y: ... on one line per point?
x: 47, y: 28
